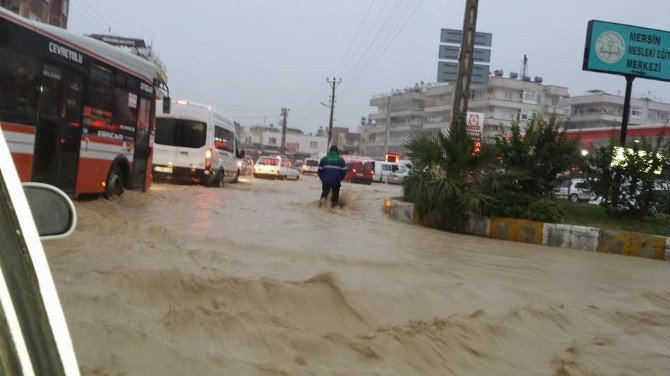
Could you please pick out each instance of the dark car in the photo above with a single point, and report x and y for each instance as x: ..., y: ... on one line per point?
x: 359, y: 172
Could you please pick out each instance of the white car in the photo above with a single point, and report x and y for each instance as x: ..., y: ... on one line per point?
x: 275, y: 167
x: 310, y: 166
x: 575, y: 190
x: 398, y: 177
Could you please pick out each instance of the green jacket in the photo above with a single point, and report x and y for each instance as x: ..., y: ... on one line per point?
x: 332, y: 169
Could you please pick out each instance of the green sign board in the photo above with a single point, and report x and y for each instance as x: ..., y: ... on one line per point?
x: 627, y: 50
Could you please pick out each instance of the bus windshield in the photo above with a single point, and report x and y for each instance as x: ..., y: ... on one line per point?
x: 179, y: 132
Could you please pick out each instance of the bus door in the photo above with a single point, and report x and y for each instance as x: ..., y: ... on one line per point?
x: 57, y: 136
x: 142, y: 147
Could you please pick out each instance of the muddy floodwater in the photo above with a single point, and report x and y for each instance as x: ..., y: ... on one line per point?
x: 256, y: 279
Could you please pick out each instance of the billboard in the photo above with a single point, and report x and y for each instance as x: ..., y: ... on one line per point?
x: 448, y: 72
x: 474, y: 124
x: 627, y: 50
x: 450, y: 50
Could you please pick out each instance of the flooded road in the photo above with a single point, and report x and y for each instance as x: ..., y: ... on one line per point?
x: 256, y: 279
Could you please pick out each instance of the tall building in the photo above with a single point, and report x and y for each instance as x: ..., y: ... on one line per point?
x: 54, y: 12
x: 599, y: 109
x: 428, y: 108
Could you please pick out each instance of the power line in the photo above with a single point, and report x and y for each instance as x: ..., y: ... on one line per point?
x: 358, y: 30
x: 384, y: 49
x: 86, y: 16
x: 389, y: 33
x: 382, y: 14
x: 95, y: 13
x: 253, y: 117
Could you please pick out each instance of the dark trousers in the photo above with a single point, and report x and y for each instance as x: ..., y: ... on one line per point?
x: 325, y: 190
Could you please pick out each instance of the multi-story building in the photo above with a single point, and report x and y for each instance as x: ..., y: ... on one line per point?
x: 405, y: 112
x: 602, y: 110
x: 429, y: 107
x: 260, y: 140
x: 54, y: 12
x: 348, y: 142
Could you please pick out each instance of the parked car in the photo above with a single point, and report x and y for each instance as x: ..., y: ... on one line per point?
x: 398, y: 177
x: 275, y: 167
x: 381, y: 170
x: 575, y: 190
x: 359, y: 172
x: 310, y: 166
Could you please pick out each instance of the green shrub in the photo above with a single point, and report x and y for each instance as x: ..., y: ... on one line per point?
x: 545, y: 211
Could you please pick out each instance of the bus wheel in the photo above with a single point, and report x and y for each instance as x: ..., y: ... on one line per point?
x: 114, y: 185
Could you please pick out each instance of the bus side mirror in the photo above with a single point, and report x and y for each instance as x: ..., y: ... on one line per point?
x: 166, y: 105
x: 53, y: 211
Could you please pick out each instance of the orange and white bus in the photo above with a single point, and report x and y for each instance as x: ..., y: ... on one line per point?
x: 76, y: 113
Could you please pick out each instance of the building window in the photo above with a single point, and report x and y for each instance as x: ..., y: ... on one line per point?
x: 273, y: 141
x: 636, y: 112
x: 313, y: 145
x: 529, y: 96
x: 525, y: 115
x: 509, y: 96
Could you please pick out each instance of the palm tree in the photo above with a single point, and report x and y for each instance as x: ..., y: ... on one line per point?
x: 450, y: 178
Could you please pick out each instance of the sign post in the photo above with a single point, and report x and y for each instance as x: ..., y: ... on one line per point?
x: 630, y: 51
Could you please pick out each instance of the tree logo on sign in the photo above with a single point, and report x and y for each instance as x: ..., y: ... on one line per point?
x: 610, y: 47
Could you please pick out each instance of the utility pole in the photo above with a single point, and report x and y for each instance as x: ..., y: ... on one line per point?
x: 388, y: 122
x: 284, y: 115
x: 333, y: 84
x: 462, y: 91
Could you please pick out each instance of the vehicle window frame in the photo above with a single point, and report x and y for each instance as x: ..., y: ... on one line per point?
x: 30, y: 299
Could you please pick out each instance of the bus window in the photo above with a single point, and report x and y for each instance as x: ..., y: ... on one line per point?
x: 18, y: 88
x: 125, y: 113
x: 100, y: 98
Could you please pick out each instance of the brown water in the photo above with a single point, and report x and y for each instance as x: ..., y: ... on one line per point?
x: 256, y: 279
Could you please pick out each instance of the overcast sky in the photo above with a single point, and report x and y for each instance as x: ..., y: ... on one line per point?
x: 249, y: 58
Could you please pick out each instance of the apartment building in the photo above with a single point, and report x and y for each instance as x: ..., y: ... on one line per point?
x: 54, y: 12
x: 428, y: 107
x: 347, y: 141
x: 598, y: 109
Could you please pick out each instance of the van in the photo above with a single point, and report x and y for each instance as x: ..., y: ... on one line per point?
x: 195, y: 144
x: 381, y: 170
x: 310, y: 166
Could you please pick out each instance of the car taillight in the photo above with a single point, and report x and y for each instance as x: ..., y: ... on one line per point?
x: 208, y: 159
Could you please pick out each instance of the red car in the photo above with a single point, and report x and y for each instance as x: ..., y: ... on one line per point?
x: 359, y: 172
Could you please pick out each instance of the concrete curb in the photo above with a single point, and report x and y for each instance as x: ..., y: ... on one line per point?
x: 583, y: 238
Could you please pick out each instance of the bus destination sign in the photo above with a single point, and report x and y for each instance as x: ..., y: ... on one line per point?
x: 627, y: 50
